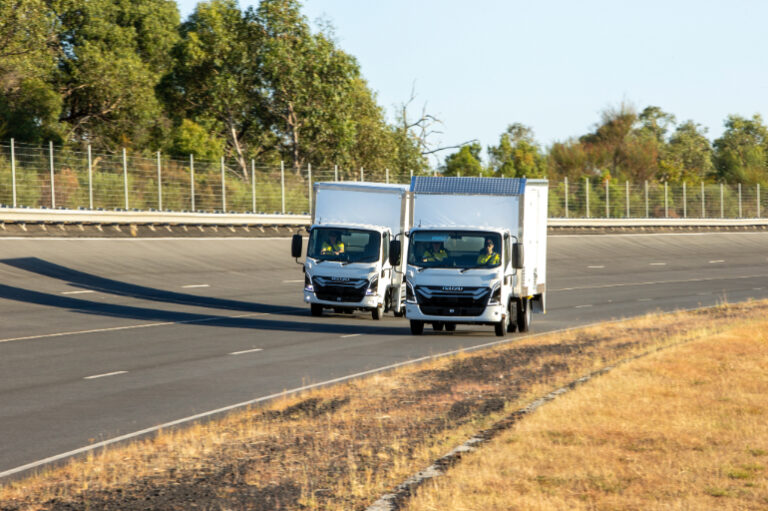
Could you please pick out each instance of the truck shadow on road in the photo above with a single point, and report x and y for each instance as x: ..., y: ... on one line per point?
x: 88, y: 281
x: 165, y: 316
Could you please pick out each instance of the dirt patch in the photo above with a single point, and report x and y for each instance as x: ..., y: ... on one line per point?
x: 344, y: 446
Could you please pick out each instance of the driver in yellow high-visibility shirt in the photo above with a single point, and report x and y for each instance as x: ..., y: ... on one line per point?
x: 435, y: 253
x: 333, y: 245
x: 487, y: 256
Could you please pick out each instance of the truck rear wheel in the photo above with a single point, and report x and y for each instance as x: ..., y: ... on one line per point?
x: 417, y: 327
x: 316, y: 309
x: 524, y: 314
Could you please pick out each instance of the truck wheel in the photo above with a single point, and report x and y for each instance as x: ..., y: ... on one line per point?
x: 500, y: 327
x: 417, y: 327
x: 450, y: 327
x: 316, y: 309
x: 437, y: 326
x: 377, y: 312
x: 400, y: 313
x: 512, y: 311
x: 524, y: 315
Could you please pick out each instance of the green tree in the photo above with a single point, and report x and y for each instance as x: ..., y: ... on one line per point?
x: 464, y: 162
x: 687, y: 156
x: 517, y: 154
x: 740, y: 153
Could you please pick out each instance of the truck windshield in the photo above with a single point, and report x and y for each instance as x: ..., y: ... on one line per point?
x: 455, y: 249
x: 345, y: 245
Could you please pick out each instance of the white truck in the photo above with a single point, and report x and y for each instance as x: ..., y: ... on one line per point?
x: 477, y: 254
x: 348, y: 266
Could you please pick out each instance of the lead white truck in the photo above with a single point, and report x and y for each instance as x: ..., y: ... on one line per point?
x: 348, y: 266
x: 477, y: 253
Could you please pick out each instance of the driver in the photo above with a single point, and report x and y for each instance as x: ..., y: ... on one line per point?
x: 333, y: 245
x: 435, y: 253
x: 487, y: 255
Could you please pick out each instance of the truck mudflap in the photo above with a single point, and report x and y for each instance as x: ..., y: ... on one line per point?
x: 539, y: 303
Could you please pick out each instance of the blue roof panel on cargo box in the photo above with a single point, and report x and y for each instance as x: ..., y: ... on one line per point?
x: 468, y: 185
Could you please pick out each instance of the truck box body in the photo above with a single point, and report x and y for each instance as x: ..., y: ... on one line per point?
x: 364, y: 217
x: 460, y: 215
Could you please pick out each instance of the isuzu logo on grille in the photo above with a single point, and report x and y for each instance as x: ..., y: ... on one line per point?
x: 342, y: 279
x: 453, y: 288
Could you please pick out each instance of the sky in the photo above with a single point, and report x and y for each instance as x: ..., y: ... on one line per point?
x: 552, y: 65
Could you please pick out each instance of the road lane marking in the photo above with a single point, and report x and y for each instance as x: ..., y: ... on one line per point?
x: 596, y: 267
x: 350, y: 335
x: 583, y: 306
x: 714, y: 261
x: 757, y: 288
x: 78, y: 292
x: 645, y: 299
x: 114, y: 373
x: 190, y: 286
x: 254, y: 350
x: 292, y: 281
x: 658, y: 264
x: 654, y: 282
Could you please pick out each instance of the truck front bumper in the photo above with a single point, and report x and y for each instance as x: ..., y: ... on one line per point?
x: 368, y: 302
x: 492, y: 314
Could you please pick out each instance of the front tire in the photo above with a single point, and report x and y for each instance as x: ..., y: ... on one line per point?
x: 437, y: 326
x: 377, y: 312
x: 417, y: 327
x: 500, y: 327
x: 450, y: 327
x: 316, y: 309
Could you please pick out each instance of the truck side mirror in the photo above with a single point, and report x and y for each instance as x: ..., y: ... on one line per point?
x: 394, y: 252
x: 517, y: 256
x: 296, y: 242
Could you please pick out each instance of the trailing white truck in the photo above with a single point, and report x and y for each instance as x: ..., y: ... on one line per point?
x: 348, y: 266
x: 477, y: 254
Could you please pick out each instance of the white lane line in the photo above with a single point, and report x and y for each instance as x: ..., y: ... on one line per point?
x: 115, y: 373
x: 596, y: 267
x: 657, y: 264
x: 715, y: 261
x: 655, y: 282
x: 757, y: 288
x: 292, y: 281
x: 246, y: 351
x: 350, y: 335
x: 131, y: 327
x: 645, y: 299
x: 583, y: 306
x: 190, y: 286
x: 77, y: 292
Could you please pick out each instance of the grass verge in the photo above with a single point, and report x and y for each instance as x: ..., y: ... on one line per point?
x: 342, y: 447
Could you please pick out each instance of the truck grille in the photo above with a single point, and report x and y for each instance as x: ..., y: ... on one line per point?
x: 452, y: 300
x: 351, y: 290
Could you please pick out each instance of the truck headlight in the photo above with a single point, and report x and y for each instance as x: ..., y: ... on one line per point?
x: 495, y: 298
x: 308, y: 284
x: 373, y: 286
x: 410, y: 296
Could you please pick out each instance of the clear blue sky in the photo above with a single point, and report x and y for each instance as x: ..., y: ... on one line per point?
x: 554, y: 65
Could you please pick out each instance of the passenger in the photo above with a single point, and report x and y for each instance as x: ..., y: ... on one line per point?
x: 333, y: 245
x: 435, y: 253
x: 488, y: 257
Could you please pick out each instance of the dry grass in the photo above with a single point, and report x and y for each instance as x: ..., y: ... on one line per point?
x: 686, y: 428
x: 342, y: 447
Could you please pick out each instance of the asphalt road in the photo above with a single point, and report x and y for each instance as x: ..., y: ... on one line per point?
x: 103, y: 338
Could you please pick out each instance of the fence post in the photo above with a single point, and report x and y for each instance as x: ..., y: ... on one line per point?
x: 685, y: 202
x: 607, y: 200
x: 192, y: 179
x: 90, y: 178
x: 722, y: 203
x: 223, y: 189
x: 253, y: 185
x: 362, y: 175
x: 586, y: 193
x: 703, y: 207
x: 758, y: 200
x: 411, y: 174
x: 53, y: 186
x: 387, y: 173
x: 159, y: 184
x: 335, y: 172
x: 282, y: 183
x: 13, y: 172
x: 626, y: 195
x: 125, y: 178
x: 309, y: 179
x: 740, y: 200
x: 566, y: 196
x: 646, y: 200
x: 666, y: 201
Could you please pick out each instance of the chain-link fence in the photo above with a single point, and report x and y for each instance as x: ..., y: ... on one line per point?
x: 48, y: 177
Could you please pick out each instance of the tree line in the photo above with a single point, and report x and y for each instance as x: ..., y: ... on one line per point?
x: 628, y: 146
x: 254, y: 84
